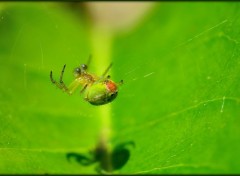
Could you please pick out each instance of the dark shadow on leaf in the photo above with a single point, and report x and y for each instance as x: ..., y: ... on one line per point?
x: 80, y: 158
x: 121, y: 155
x: 108, y: 161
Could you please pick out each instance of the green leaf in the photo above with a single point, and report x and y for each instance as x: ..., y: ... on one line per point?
x: 180, y: 103
x: 177, y: 111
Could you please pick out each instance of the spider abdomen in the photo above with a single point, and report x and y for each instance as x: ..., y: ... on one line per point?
x: 101, y: 93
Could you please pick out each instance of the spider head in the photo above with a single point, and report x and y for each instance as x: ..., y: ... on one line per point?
x: 77, y: 72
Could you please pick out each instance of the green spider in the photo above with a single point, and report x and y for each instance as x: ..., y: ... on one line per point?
x: 97, y: 90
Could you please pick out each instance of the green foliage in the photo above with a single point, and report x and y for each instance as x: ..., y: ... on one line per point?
x: 179, y: 103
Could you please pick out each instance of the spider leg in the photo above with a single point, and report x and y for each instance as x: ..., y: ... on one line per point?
x: 62, y: 84
x: 72, y: 87
x: 54, y: 82
x: 51, y: 78
x: 83, y: 89
x: 61, y: 76
x: 89, y: 60
x: 108, y: 68
x: 120, y: 83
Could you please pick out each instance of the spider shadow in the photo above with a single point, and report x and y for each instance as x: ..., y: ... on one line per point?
x: 107, y: 162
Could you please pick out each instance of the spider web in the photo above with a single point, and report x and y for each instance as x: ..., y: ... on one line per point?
x: 179, y: 102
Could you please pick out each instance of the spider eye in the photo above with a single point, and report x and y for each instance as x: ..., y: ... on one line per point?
x: 77, y: 72
x: 84, y: 66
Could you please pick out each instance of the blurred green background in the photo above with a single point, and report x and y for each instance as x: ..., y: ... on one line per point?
x: 179, y: 103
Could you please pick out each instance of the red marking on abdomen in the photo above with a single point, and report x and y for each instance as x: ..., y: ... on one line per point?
x: 111, y: 86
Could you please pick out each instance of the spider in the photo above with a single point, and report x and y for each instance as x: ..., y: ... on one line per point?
x: 97, y: 90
